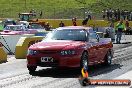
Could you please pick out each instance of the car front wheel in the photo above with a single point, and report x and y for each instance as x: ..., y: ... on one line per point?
x: 84, y: 60
x: 108, y: 58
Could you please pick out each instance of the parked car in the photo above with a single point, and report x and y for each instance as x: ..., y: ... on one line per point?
x: 8, y: 22
x: 38, y: 27
x: 110, y: 33
x: 23, y: 23
x: 70, y: 47
x: 16, y: 30
x: 106, y: 32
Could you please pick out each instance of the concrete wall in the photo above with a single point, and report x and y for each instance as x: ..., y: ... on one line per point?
x: 23, y: 44
x: 3, y: 55
x: 11, y: 41
x: 68, y: 22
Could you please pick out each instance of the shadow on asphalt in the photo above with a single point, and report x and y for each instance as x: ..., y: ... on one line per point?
x: 123, y: 43
x: 75, y: 72
x: 3, y: 62
x: 100, y: 69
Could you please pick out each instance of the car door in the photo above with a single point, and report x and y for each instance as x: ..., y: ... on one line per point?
x: 94, y: 49
x: 102, y: 44
x: 100, y: 49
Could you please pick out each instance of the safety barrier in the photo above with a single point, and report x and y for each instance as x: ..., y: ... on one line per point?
x: 3, y: 55
x: 10, y: 41
x: 23, y: 44
x: 68, y: 22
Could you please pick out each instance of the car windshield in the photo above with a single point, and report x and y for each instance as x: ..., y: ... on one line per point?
x: 67, y: 34
x: 35, y: 26
x: 14, y: 28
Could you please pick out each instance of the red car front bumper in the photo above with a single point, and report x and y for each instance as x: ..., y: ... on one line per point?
x: 58, y: 60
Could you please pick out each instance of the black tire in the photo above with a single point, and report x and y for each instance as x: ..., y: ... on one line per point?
x: 108, y: 59
x: 84, y: 60
x: 31, y: 69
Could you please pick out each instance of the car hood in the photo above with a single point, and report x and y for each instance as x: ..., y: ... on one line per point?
x: 10, y: 32
x: 56, y: 45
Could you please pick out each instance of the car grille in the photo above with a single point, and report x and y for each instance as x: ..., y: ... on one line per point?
x: 48, y: 52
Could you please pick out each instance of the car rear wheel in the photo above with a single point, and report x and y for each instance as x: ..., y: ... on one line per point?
x: 108, y: 58
x: 31, y: 69
x: 84, y: 60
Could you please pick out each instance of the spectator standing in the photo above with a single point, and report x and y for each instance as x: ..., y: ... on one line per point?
x: 120, y: 27
x: 47, y: 26
x: 41, y: 13
x: 104, y: 13
x: 123, y: 14
x: 61, y: 24
x: 115, y: 14
x: 89, y: 15
x: 130, y: 15
x: 85, y: 21
x: 118, y: 14
x: 33, y: 12
x: 74, y: 24
x: 43, y: 24
x: 127, y: 27
x: 74, y: 21
x: 110, y: 33
x: 108, y: 14
x: 112, y: 21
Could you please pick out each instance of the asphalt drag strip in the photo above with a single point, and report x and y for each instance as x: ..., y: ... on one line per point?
x: 68, y: 78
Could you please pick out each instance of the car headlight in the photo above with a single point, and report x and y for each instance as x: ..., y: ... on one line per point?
x: 67, y: 52
x: 32, y: 52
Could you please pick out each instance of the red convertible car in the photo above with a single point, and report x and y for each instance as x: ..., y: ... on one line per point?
x: 72, y: 46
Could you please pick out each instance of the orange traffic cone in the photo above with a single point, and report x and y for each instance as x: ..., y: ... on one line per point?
x: 84, y: 73
x: 84, y: 80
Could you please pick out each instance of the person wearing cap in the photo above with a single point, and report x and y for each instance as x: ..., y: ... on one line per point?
x: 120, y: 27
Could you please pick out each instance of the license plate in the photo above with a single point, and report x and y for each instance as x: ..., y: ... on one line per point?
x: 46, y: 59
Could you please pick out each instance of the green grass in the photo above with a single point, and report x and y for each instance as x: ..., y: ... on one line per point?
x: 59, y: 8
